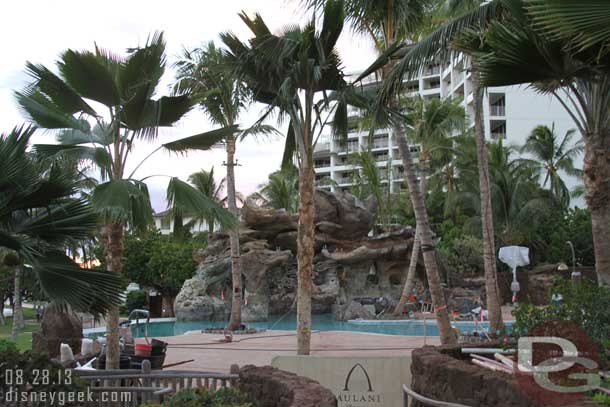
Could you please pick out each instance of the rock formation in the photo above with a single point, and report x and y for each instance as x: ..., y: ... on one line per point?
x: 348, y: 264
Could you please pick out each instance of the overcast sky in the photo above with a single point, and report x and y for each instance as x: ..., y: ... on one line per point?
x: 38, y: 31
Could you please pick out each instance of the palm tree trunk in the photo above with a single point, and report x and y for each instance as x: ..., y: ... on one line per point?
x: 596, y: 176
x: 489, y: 250
x: 421, y: 217
x: 114, y: 259
x: 18, y: 322
x: 410, y: 281
x: 235, y: 321
x: 167, y: 302
x: 305, y: 254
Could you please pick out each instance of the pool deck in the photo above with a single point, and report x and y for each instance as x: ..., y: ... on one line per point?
x: 260, y: 349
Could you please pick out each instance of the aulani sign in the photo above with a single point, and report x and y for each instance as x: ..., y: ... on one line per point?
x: 356, y: 382
x: 356, y: 395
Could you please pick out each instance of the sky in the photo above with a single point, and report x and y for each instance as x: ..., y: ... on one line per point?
x: 38, y: 31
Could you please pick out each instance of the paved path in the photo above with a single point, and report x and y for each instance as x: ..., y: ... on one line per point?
x: 259, y: 349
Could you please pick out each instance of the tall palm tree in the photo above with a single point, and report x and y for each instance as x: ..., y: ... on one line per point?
x: 203, y: 75
x: 389, y: 23
x: 432, y: 123
x: 543, y: 53
x: 554, y: 156
x: 123, y: 89
x: 287, y: 72
x: 40, y: 217
x: 205, y: 183
x: 441, y: 46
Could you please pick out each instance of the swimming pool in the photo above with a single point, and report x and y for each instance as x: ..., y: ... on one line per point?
x: 319, y: 322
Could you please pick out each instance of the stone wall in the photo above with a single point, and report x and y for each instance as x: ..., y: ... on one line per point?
x: 440, y: 373
x: 276, y: 388
x: 443, y: 373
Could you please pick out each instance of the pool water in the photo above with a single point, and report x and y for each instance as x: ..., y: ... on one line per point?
x: 320, y: 323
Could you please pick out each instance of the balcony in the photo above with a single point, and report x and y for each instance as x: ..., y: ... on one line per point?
x: 321, y: 164
x: 322, y: 147
x: 322, y: 182
x: 497, y: 110
x: 345, y: 180
x: 432, y: 70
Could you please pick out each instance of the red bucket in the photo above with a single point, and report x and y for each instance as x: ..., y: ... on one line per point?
x: 143, y: 349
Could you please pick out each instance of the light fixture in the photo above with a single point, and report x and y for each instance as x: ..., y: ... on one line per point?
x: 562, y: 267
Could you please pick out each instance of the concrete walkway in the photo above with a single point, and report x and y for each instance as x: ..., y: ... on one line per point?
x: 259, y: 349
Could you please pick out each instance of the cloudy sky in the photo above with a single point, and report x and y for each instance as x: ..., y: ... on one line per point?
x: 39, y: 30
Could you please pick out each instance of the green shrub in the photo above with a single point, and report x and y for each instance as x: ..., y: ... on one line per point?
x: 135, y: 300
x: 463, y: 255
x: 225, y: 397
x: 586, y: 304
x: 7, y: 345
x: 602, y: 398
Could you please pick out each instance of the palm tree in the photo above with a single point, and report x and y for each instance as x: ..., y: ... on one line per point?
x: 432, y: 124
x: 123, y: 88
x: 575, y: 69
x: 203, y: 75
x: 39, y: 218
x: 205, y: 183
x: 389, y: 23
x: 286, y: 72
x: 438, y: 47
x: 281, y: 191
x: 554, y: 155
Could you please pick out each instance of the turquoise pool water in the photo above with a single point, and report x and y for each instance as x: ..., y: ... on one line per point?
x: 320, y: 323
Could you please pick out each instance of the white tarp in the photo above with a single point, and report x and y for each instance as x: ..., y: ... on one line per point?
x: 514, y: 256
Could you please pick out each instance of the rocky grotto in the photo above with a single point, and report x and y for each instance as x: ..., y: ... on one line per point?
x: 349, y: 264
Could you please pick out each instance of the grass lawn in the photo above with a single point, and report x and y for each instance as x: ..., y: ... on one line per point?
x: 24, y: 339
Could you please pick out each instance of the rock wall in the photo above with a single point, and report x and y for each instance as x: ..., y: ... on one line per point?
x: 272, y: 387
x: 440, y: 374
x: 348, y: 263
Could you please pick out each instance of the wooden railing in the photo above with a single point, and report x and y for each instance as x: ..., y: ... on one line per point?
x: 145, y: 385
x: 411, y: 395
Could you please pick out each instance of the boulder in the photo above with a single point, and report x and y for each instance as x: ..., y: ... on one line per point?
x: 355, y: 310
x: 59, y: 325
x: 194, y: 304
x: 272, y: 387
x: 350, y: 217
x: 267, y: 223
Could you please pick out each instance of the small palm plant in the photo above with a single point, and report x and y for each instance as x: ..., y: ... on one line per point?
x: 40, y: 217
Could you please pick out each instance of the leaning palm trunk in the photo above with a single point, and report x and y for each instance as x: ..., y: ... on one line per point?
x: 596, y: 176
x: 18, y: 322
x: 489, y: 250
x: 410, y: 281
x: 235, y: 321
x: 421, y: 217
x: 305, y: 254
x: 114, y: 259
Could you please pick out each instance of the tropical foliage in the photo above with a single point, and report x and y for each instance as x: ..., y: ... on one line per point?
x: 161, y: 262
x: 104, y: 135
x: 40, y: 217
x: 281, y: 191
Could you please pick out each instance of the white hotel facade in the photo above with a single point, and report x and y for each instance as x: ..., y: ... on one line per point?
x: 510, y: 114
